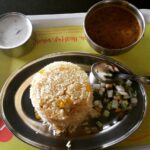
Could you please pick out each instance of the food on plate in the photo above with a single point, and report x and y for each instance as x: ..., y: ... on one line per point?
x: 117, y: 97
x: 64, y: 99
x: 62, y: 96
x: 105, y: 71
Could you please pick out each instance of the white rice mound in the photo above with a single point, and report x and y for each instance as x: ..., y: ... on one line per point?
x: 62, y: 96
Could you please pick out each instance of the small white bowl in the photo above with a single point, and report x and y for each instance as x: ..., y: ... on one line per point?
x: 15, y: 34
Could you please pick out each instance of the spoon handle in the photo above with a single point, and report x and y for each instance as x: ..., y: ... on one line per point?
x: 144, y: 79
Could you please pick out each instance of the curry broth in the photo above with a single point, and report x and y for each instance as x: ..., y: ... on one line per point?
x: 113, y: 27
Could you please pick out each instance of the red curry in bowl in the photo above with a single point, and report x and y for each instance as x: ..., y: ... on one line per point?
x: 113, y: 27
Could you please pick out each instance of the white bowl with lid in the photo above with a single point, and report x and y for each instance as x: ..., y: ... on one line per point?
x: 15, y: 34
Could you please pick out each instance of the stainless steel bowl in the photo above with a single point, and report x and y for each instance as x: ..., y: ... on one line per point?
x: 16, y: 38
x: 122, y: 4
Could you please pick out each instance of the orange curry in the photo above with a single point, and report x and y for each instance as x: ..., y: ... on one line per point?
x: 113, y: 27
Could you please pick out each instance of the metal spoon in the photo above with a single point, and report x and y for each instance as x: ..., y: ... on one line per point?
x: 108, y: 73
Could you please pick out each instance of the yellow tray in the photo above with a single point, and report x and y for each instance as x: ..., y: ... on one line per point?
x: 71, y: 38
